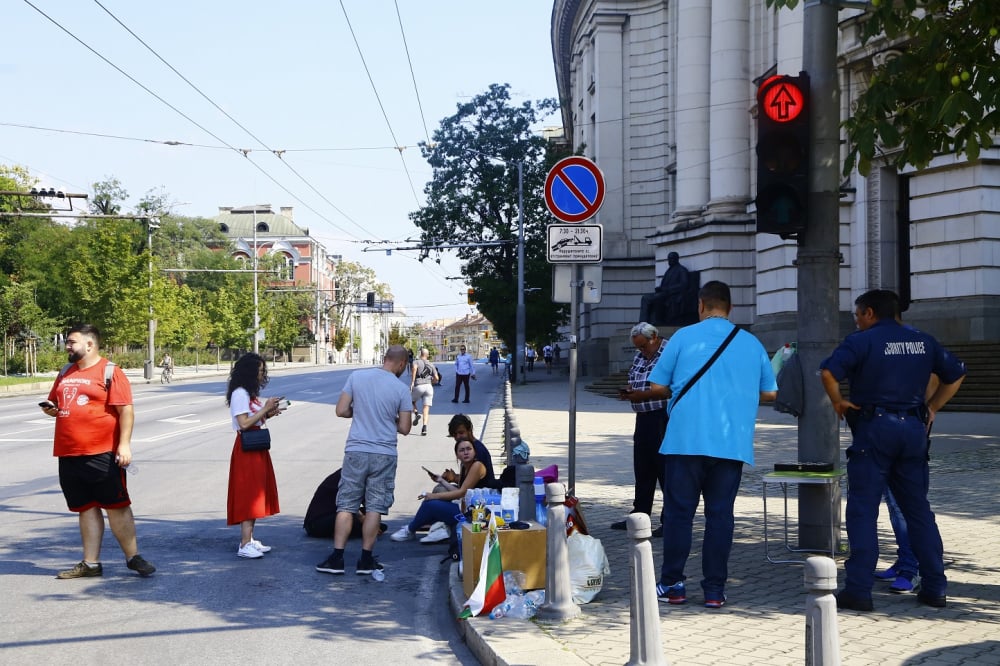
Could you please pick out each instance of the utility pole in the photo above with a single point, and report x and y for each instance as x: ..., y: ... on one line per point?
x: 818, y: 263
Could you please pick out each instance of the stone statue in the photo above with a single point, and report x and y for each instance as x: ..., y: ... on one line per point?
x: 671, y: 303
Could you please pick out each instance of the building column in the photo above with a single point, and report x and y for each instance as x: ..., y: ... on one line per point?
x: 691, y: 104
x: 729, y: 119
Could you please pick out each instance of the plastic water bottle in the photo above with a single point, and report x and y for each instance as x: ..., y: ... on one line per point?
x: 541, y: 515
x: 786, y: 352
x: 509, y: 502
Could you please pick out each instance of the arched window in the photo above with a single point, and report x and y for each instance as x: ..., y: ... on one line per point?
x: 262, y: 228
x: 223, y: 227
x: 287, y: 271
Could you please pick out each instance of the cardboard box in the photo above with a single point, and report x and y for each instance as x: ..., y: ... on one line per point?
x: 520, y: 550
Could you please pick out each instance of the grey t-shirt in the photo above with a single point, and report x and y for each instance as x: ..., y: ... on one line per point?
x: 377, y: 398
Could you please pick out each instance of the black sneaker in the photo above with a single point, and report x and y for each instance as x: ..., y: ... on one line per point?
x: 848, y: 601
x: 367, y: 565
x: 416, y: 419
x: 81, y: 570
x: 423, y: 431
x: 933, y: 600
x: 140, y: 565
x: 331, y: 565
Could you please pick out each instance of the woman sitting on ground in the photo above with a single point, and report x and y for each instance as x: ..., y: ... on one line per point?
x: 438, y: 506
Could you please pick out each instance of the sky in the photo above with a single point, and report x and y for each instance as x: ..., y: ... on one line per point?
x: 292, y: 75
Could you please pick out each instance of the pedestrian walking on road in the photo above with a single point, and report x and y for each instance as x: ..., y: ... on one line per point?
x: 380, y: 408
x: 888, y: 367
x: 650, y: 421
x: 253, y: 488
x: 547, y: 357
x: 422, y: 379
x: 495, y: 360
x: 712, y: 411
x: 465, y: 368
x: 91, y: 400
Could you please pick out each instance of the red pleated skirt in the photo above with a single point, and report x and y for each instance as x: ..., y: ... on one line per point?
x: 253, y: 490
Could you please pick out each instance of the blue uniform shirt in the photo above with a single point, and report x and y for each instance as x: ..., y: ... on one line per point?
x: 889, y: 365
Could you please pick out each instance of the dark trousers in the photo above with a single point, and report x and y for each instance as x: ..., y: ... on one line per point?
x: 890, y: 449
x: 647, y: 463
x: 462, y: 380
x: 717, y: 480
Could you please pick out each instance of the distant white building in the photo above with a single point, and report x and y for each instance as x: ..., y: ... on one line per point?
x: 661, y: 94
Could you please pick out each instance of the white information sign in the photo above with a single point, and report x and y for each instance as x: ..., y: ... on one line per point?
x: 574, y: 244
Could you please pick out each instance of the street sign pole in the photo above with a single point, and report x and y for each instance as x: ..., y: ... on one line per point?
x: 574, y: 192
x: 574, y: 336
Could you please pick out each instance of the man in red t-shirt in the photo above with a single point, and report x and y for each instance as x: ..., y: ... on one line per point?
x: 93, y: 444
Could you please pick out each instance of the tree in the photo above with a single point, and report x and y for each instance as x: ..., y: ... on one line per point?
x: 937, y: 92
x: 473, y: 196
x: 107, y: 197
x: 353, y: 281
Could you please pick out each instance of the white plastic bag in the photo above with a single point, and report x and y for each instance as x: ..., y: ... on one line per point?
x: 588, y: 565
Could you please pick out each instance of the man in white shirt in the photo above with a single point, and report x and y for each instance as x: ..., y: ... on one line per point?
x: 464, y: 369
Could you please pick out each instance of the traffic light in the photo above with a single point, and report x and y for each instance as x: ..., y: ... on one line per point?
x: 783, y: 141
x: 370, y: 301
x: 472, y: 296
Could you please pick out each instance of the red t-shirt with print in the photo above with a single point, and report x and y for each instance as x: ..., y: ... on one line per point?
x: 87, y: 423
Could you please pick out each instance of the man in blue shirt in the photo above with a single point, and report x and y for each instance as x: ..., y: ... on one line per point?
x: 464, y: 369
x: 708, y: 439
x: 888, y: 367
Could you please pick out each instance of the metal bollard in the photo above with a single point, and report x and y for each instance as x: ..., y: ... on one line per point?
x: 558, y: 591
x: 645, y: 646
x: 822, y: 638
x: 525, y: 475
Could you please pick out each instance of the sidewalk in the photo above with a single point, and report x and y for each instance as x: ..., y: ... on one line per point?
x: 763, y: 622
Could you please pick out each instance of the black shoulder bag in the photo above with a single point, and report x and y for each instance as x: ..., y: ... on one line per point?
x: 708, y: 364
x: 255, y: 439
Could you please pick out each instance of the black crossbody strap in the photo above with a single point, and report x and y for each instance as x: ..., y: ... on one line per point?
x: 708, y: 364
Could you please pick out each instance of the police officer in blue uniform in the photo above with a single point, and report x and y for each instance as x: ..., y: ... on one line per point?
x: 888, y: 367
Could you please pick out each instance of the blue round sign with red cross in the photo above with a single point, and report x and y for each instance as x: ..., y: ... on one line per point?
x: 574, y: 189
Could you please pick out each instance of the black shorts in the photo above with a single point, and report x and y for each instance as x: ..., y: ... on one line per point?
x: 93, y: 481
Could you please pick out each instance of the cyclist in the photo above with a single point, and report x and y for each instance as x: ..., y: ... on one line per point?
x: 168, y: 366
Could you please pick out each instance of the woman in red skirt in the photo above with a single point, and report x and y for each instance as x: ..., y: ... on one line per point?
x: 253, y: 491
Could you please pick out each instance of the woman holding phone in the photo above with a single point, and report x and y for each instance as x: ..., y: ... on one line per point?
x: 253, y: 490
x: 438, y: 506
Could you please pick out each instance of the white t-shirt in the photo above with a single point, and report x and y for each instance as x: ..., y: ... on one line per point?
x: 240, y: 403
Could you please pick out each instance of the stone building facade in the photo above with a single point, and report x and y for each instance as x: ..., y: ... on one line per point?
x: 661, y: 95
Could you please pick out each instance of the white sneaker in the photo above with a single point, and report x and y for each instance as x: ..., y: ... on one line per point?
x: 402, y: 534
x: 261, y: 547
x: 437, y: 534
x: 249, y: 551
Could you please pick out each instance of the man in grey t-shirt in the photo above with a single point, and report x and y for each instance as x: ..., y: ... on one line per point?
x: 379, y: 406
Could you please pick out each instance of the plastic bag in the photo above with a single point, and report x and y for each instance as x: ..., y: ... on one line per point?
x: 588, y: 565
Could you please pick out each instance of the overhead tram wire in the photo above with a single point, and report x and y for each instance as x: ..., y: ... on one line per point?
x: 114, y: 136
x: 400, y: 148
x: 413, y: 77
x: 245, y: 153
x: 276, y: 153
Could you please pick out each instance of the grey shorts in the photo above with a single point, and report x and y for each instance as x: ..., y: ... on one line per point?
x: 423, y: 392
x: 371, y: 476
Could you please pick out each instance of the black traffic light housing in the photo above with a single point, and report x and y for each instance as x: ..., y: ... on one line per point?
x: 783, y: 141
x: 370, y: 299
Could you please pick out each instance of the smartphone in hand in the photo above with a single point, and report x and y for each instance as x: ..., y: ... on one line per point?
x: 430, y: 473
x: 47, y: 404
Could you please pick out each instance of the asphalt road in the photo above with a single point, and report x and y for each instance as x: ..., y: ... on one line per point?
x: 205, y: 605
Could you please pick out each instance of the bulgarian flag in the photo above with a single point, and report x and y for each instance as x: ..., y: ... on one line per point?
x: 489, y: 590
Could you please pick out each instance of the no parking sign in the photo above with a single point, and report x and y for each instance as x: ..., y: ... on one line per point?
x: 574, y: 189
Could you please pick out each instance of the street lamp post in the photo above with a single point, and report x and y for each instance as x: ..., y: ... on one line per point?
x: 256, y: 311
x: 519, y: 317
x: 151, y: 223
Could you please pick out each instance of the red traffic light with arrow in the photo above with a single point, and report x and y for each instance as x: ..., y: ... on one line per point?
x: 783, y: 139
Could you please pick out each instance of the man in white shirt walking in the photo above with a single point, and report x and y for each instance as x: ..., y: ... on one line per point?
x: 464, y: 369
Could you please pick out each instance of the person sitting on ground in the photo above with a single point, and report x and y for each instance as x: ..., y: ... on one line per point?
x: 321, y: 516
x: 460, y: 428
x: 439, y: 506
